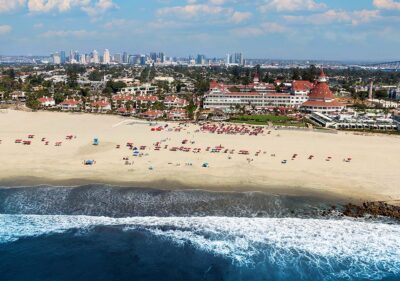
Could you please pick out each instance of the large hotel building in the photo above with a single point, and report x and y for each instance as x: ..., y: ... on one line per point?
x: 302, y: 95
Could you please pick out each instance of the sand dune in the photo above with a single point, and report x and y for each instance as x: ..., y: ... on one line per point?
x: 373, y: 172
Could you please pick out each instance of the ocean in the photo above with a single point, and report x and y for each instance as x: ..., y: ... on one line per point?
x: 100, y: 232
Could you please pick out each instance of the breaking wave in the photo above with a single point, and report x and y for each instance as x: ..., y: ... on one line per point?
x: 335, y: 249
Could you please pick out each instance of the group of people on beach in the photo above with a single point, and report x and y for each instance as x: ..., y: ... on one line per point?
x: 187, y: 146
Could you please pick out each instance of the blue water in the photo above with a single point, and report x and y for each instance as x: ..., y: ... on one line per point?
x: 77, y: 239
x: 52, y: 248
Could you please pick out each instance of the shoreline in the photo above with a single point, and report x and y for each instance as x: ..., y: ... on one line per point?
x: 331, y: 205
x: 277, y: 161
x: 168, y: 185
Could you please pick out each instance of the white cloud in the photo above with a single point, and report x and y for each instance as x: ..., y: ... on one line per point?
x: 387, y: 4
x: 4, y: 29
x: 99, y: 8
x: 291, y: 5
x: 212, y: 10
x: 264, y: 28
x: 10, y: 5
x: 68, y: 33
x: 193, y: 10
x: 91, y: 7
x: 238, y: 17
x: 332, y: 16
x: 44, y: 6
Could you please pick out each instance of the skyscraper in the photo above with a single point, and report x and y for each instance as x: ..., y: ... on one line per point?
x: 71, y: 56
x: 117, y: 58
x: 95, y: 57
x: 142, y: 60
x: 153, y: 57
x: 125, y: 57
x: 82, y: 59
x: 239, y: 58
x: 161, y: 56
x: 106, y: 57
x: 56, y: 58
x: 228, y: 59
x: 63, y: 57
x: 201, y: 59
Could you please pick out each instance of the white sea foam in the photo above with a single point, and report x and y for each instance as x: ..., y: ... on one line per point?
x: 360, y: 245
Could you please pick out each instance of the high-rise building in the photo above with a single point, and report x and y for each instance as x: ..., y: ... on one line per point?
x: 106, y: 57
x: 117, y: 58
x: 201, y: 59
x: 56, y: 58
x: 71, y: 56
x: 82, y: 59
x: 153, y: 57
x: 63, y: 57
x: 125, y: 57
x: 76, y: 56
x: 88, y: 58
x: 228, y: 59
x: 95, y: 57
x: 142, y: 60
x: 161, y: 56
x: 239, y: 58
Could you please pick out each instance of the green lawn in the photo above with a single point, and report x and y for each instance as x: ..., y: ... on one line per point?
x: 265, y: 119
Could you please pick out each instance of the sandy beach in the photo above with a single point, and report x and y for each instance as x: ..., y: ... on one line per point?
x: 371, y: 174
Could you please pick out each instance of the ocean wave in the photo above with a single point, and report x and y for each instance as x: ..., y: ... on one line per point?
x: 110, y: 201
x: 339, y: 248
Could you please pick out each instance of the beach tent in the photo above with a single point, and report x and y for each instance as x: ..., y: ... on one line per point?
x: 96, y: 141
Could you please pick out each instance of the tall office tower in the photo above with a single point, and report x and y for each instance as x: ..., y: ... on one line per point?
x: 106, y: 57
x: 77, y: 56
x: 63, y: 57
x: 153, y: 56
x: 142, y: 60
x: 82, y: 59
x: 201, y: 59
x: 71, y: 56
x: 56, y: 58
x: 125, y: 57
x: 117, y: 58
x: 87, y: 58
x: 161, y: 56
x: 239, y: 58
x: 95, y: 57
x: 228, y: 59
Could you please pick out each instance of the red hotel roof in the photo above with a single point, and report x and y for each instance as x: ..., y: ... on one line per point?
x: 302, y: 85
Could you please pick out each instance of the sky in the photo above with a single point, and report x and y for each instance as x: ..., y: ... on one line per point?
x: 275, y: 29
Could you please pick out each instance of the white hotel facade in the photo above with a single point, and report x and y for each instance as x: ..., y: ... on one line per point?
x: 220, y: 97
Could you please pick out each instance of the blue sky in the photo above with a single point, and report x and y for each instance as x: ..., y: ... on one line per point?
x: 287, y: 29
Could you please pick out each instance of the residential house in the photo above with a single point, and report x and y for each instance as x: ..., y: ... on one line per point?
x: 101, y: 106
x: 153, y: 114
x: 121, y: 100
x: 70, y: 105
x: 175, y: 102
x: 18, y: 96
x: 47, y: 102
x: 125, y: 111
x: 177, y: 114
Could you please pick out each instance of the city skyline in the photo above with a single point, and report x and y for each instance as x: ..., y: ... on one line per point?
x: 107, y: 57
x: 307, y: 29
